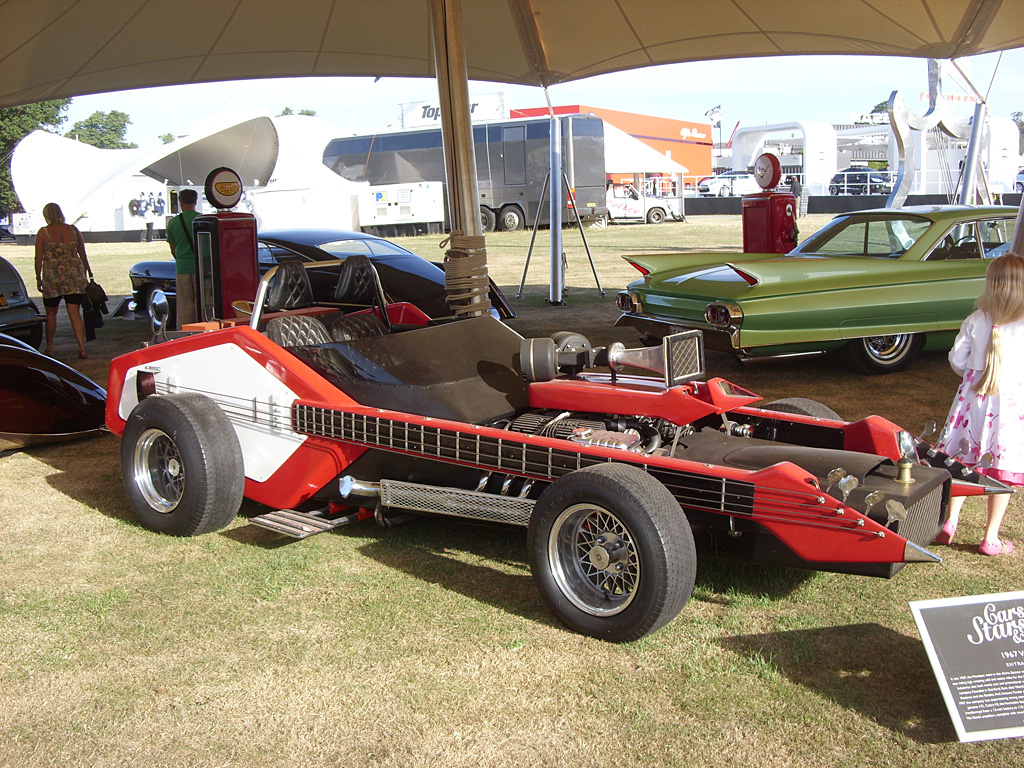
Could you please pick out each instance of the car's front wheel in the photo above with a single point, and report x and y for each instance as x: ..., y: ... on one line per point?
x: 725, y: 191
x: 833, y: 189
x: 884, y: 354
x: 612, y: 552
x: 655, y: 216
x: 181, y: 465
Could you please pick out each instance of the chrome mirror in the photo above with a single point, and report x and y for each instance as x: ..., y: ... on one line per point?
x: 159, y: 310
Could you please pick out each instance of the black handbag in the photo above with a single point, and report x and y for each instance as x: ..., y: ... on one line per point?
x: 95, y: 294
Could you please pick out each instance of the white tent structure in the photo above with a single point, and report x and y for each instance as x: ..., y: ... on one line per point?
x: 278, y: 158
x: 624, y: 154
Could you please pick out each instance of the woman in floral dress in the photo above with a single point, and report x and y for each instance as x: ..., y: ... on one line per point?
x: 61, y: 266
x: 987, y: 415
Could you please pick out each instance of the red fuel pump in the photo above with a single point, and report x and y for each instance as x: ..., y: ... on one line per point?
x: 226, y: 263
x: 769, y: 217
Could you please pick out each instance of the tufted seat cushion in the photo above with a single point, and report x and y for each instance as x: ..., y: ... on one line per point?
x: 290, y: 288
x: 363, y: 325
x: 297, y: 331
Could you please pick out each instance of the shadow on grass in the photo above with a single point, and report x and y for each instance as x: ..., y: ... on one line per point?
x: 484, y: 563
x: 728, y: 577
x: 867, y: 668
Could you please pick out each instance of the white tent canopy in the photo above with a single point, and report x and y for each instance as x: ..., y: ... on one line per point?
x: 91, y: 184
x: 64, y: 48
x: 624, y: 154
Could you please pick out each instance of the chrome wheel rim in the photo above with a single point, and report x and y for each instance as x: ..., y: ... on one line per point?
x: 510, y: 221
x: 887, y: 349
x: 593, y: 560
x: 158, y: 470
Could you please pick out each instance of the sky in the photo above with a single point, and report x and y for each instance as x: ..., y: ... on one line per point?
x: 752, y: 91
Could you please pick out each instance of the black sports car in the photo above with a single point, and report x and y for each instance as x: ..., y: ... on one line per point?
x: 19, y: 315
x: 404, y: 275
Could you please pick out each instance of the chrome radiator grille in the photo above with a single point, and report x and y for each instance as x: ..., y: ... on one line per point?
x: 924, y: 518
x: 456, y: 502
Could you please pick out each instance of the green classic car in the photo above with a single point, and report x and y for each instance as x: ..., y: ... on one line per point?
x: 877, y: 285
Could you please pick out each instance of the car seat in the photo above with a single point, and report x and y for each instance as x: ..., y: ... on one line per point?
x: 359, y: 286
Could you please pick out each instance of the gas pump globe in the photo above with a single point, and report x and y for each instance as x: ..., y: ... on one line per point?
x: 769, y: 217
x: 226, y: 262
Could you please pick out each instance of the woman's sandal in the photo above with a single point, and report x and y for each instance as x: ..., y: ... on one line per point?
x: 997, y: 547
x: 946, y: 534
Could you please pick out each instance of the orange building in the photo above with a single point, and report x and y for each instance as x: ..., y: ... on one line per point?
x: 686, y: 143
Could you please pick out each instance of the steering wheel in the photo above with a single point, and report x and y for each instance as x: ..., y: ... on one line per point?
x: 966, y: 240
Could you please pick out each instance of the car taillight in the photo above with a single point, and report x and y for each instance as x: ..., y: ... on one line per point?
x: 642, y: 270
x: 625, y: 302
x: 722, y: 315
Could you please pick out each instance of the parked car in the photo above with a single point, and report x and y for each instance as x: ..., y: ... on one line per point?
x: 875, y: 285
x: 405, y: 276
x: 728, y: 184
x: 19, y: 315
x: 860, y: 181
x: 626, y: 203
x: 6, y: 234
x: 1018, y: 185
x: 43, y: 400
x: 619, y: 479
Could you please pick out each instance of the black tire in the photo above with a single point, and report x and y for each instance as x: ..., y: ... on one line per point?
x: 833, y: 189
x: 725, y: 191
x: 655, y: 216
x: 611, y: 552
x: 883, y: 354
x: 569, y: 340
x: 802, y: 406
x: 487, y: 219
x: 511, y: 218
x: 181, y: 465
x: 1018, y: 187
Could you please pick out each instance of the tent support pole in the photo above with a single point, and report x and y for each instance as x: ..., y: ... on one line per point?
x: 466, y: 260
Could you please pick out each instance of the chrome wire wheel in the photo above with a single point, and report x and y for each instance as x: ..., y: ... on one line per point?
x: 158, y: 470
x: 593, y: 560
x: 888, y: 349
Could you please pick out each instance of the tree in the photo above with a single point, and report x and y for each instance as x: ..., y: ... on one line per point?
x: 103, y: 129
x: 286, y: 111
x: 290, y: 111
x: 166, y: 138
x: 880, y: 108
x: 15, y: 124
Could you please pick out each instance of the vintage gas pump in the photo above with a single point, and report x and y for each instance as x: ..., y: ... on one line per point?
x: 226, y: 263
x: 769, y: 217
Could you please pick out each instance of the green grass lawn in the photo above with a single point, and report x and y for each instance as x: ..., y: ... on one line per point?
x: 428, y: 644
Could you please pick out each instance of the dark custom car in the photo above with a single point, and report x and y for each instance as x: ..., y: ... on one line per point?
x: 328, y: 418
x: 876, y: 286
x: 404, y: 275
x: 19, y: 315
x: 43, y: 400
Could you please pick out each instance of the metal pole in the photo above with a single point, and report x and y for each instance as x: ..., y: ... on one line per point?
x: 971, y: 161
x: 555, y: 157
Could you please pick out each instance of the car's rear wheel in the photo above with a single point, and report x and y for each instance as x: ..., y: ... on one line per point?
x: 884, y: 354
x: 833, y: 189
x: 725, y: 191
x: 1018, y: 187
x: 181, y: 465
x: 655, y: 216
x: 612, y: 552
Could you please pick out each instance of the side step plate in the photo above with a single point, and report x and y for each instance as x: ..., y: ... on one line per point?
x: 300, y: 525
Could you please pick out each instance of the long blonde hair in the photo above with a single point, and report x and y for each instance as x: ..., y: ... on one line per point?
x: 1003, y: 302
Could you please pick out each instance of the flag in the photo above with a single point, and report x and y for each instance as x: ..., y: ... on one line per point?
x: 715, y: 116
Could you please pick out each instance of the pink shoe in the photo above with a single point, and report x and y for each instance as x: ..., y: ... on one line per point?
x: 997, y: 547
x: 946, y: 534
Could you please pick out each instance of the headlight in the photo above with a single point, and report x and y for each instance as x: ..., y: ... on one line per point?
x: 723, y: 315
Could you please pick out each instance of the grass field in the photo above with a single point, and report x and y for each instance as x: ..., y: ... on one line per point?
x: 428, y: 644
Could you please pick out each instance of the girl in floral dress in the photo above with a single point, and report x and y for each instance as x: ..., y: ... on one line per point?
x: 987, y: 415
x: 61, y: 265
